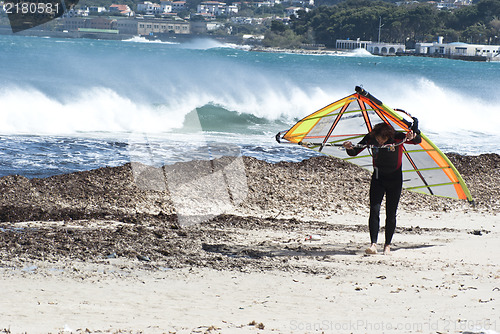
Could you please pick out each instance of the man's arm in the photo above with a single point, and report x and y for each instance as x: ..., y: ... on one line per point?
x: 353, y: 151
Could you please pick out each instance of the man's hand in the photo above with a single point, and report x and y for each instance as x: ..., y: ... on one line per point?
x: 347, y: 145
x: 410, y: 135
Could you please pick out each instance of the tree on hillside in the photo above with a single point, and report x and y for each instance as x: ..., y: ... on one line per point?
x: 404, y: 24
x: 463, y: 18
x: 476, y: 34
x: 280, y: 35
x: 495, y: 28
x: 422, y: 20
x: 487, y: 10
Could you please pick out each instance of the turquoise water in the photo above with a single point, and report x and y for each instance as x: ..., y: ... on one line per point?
x: 76, y: 104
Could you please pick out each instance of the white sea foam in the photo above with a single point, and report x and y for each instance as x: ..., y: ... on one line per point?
x: 133, y: 102
x: 95, y: 110
x: 238, y: 46
x: 357, y: 53
x: 203, y: 44
x: 140, y: 39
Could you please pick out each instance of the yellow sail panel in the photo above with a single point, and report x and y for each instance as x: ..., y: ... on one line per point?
x: 302, y: 128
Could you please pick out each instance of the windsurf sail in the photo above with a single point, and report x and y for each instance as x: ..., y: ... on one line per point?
x: 425, y: 168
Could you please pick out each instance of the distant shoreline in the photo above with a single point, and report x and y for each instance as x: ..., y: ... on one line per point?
x: 173, y: 38
x: 180, y: 38
x: 237, y: 40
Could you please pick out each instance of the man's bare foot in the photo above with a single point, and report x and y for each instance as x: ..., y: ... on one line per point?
x: 372, y: 249
x: 387, y: 250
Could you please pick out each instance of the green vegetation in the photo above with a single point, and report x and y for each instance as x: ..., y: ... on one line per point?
x: 478, y: 23
x: 280, y: 35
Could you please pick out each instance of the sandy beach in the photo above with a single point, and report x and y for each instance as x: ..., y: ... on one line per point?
x: 112, y: 251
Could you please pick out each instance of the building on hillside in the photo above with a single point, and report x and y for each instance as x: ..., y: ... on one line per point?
x: 212, y: 26
x: 76, y: 12
x: 452, y: 4
x: 262, y: 3
x: 148, y: 8
x: 178, y: 6
x: 293, y: 10
x: 96, y: 9
x: 166, y: 7
x: 121, y: 9
x: 407, y: 3
x: 266, y: 3
x: 247, y: 20
x: 231, y: 9
x: 216, y: 8
x: 302, y: 3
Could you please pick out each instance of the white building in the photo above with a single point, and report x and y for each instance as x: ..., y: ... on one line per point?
x: 232, y: 9
x: 212, y: 26
x: 151, y: 8
x: 453, y: 4
x: 216, y: 8
x: 294, y: 10
x: 76, y: 12
x: 458, y: 49
x: 166, y: 6
x: 212, y: 7
x: 302, y: 3
x: 96, y: 9
x: 259, y: 4
x: 146, y: 7
x: 382, y: 49
x: 385, y: 49
x: 247, y: 20
x: 266, y: 3
x: 348, y: 44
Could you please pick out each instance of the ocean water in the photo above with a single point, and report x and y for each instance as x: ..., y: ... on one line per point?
x: 76, y: 104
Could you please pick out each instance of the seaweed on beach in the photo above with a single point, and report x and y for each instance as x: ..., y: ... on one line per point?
x: 102, y: 214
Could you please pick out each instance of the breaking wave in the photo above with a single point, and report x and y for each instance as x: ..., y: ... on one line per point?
x: 112, y: 87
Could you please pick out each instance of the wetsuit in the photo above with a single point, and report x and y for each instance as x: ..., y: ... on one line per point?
x: 387, y: 178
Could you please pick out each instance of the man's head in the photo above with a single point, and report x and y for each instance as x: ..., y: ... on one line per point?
x: 382, y: 132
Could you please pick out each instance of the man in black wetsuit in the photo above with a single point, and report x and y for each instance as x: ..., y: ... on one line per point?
x: 387, y: 177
